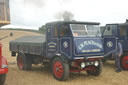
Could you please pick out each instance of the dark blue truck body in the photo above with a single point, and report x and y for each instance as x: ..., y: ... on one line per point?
x: 75, y: 46
x: 120, y: 31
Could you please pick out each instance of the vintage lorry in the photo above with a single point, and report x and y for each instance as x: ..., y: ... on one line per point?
x: 4, y: 20
x: 119, y: 30
x: 69, y: 46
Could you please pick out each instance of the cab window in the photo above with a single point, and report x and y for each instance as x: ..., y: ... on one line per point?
x: 123, y: 31
x: 64, y: 31
x: 110, y: 30
x: 55, y: 31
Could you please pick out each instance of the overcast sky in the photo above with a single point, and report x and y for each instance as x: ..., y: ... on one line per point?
x: 34, y: 13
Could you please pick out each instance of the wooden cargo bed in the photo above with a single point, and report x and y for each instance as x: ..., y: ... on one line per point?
x: 28, y: 44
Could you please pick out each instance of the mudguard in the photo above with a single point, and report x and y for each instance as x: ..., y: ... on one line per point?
x: 62, y: 56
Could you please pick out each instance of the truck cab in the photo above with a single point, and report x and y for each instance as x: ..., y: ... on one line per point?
x: 74, y: 40
x: 119, y: 30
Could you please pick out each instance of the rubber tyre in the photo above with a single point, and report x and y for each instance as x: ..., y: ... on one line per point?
x: 64, y: 67
x: 2, y: 79
x: 97, y: 71
x: 24, y: 62
x: 123, y: 63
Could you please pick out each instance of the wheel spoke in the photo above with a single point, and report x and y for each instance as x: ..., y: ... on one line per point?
x: 58, y: 69
x: 61, y: 70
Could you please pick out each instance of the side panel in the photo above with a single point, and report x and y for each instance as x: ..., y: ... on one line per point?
x: 88, y: 46
x: 14, y: 48
x: 110, y: 35
x: 52, y: 42
x: 52, y: 47
x: 110, y: 45
x: 37, y: 50
x: 65, y: 46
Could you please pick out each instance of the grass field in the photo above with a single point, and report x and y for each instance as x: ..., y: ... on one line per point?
x: 42, y: 76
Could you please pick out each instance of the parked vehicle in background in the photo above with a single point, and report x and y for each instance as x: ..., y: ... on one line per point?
x: 4, y: 20
x: 119, y: 30
x: 3, y: 67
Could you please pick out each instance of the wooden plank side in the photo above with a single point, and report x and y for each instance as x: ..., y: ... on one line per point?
x: 4, y: 12
x: 28, y: 44
x: 35, y: 50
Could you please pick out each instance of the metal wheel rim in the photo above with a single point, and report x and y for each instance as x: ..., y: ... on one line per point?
x: 124, y: 62
x: 58, y: 69
x: 20, y: 62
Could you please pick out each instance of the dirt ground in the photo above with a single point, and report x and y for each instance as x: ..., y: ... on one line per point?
x: 42, y: 76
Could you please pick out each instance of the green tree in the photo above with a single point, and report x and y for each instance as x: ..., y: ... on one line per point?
x: 42, y: 29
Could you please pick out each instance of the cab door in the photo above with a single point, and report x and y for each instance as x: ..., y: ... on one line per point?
x: 123, y: 37
x: 65, y: 41
x: 110, y: 39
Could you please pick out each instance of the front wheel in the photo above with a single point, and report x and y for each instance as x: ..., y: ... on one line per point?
x: 2, y: 79
x: 97, y: 71
x: 60, y: 69
x: 124, y: 61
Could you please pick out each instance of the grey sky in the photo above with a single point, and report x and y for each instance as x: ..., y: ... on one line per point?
x: 34, y: 13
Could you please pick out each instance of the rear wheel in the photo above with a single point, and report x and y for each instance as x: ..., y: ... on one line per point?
x: 2, y: 79
x: 97, y: 71
x: 124, y: 61
x: 60, y: 69
x: 24, y: 62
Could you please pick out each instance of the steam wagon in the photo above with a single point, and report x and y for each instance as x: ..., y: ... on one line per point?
x: 68, y: 46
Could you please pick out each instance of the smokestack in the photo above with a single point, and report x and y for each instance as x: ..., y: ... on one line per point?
x: 65, y: 15
x: 126, y: 21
